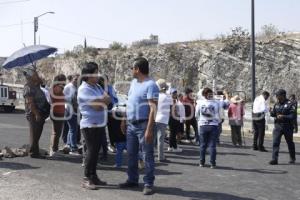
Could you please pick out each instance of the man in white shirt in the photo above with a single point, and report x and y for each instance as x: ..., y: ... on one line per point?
x: 260, y: 108
x: 162, y: 117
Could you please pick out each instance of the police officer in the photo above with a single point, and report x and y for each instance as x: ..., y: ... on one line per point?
x: 283, y: 112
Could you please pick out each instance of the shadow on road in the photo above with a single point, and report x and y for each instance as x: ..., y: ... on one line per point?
x: 229, y: 145
x: 16, y: 166
x: 192, y: 195
x: 261, y: 171
x: 195, y: 195
x: 235, y: 153
x: 285, y: 152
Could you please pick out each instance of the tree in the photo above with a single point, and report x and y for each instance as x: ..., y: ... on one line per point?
x: 269, y: 30
x: 237, y: 43
x: 117, y: 46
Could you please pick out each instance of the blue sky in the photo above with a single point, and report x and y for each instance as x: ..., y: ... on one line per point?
x: 104, y: 21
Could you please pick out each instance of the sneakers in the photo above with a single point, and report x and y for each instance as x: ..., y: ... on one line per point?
x: 74, y: 153
x: 97, y: 181
x: 88, y: 184
x: 273, y: 162
x: 141, y: 164
x: 52, y: 153
x: 255, y: 148
x: 170, y: 149
x: 213, y: 166
x: 148, y: 190
x: 262, y: 149
x: 128, y: 185
x: 201, y: 164
x: 292, y: 161
x: 186, y: 141
x: 37, y: 156
x: 178, y: 150
x: 66, y: 149
x: 111, y: 149
x: 117, y: 166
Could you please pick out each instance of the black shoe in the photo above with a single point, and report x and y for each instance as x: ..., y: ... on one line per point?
x: 201, y: 164
x: 148, y: 190
x: 88, y: 184
x: 103, y: 158
x: 37, y: 156
x: 128, y: 185
x: 213, y: 166
x: 292, y: 161
x: 273, y: 162
x: 255, y: 148
x: 262, y: 149
x: 97, y: 181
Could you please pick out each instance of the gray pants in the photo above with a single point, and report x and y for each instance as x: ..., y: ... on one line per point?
x: 160, y: 132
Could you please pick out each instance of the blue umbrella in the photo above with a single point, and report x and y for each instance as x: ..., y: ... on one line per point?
x: 28, y: 55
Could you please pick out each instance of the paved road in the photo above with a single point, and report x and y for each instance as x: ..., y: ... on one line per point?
x: 242, y: 174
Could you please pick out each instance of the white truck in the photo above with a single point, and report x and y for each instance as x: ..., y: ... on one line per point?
x: 8, y: 98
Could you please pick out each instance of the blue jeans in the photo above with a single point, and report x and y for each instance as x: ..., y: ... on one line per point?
x: 120, y: 146
x: 72, y: 134
x: 159, y: 139
x: 219, y: 132
x: 135, y: 140
x: 208, y: 138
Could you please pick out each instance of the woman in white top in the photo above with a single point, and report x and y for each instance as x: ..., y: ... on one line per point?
x: 162, y: 117
x: 208, y: 116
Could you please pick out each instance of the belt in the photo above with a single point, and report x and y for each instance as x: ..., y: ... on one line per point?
x: 139, y: 121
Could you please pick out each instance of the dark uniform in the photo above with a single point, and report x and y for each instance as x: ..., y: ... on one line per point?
x: 295, y: 123
x: 283, y: 126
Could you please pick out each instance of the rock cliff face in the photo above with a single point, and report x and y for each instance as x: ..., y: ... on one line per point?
x: 195, y: 64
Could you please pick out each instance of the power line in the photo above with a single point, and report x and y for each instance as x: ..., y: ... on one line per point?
x: 11, y: 25
x: 10, y: 2
x: 74, y: 33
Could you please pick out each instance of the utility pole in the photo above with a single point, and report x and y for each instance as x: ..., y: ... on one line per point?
x: 36, y: 25
x: 253, y: 49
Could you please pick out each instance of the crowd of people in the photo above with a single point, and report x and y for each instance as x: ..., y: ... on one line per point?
x: 86, y: 106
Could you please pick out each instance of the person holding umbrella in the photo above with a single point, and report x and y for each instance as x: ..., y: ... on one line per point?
x: 37, y: 109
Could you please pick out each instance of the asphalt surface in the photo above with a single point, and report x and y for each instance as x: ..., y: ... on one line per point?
x: 242, y: 174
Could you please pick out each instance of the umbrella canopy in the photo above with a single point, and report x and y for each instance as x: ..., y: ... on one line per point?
x: 28, y: 55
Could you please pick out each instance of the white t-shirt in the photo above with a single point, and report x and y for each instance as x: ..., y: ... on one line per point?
x: 260, y: 105
x: 69, y: 92
x: 181, y: 111
x: 163, y: 108
x: 208, y: 111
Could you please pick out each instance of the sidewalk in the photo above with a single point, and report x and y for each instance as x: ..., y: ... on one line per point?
x: 248, y: 130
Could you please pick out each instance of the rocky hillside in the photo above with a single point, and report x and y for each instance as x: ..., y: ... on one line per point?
x: 194, y: 64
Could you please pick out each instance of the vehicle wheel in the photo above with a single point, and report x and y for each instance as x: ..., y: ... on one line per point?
x: 9, y: 109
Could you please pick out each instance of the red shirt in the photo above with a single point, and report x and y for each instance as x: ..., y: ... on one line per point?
x: 189, y: 105
x: 236, y: 112
x: 57, y: 100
